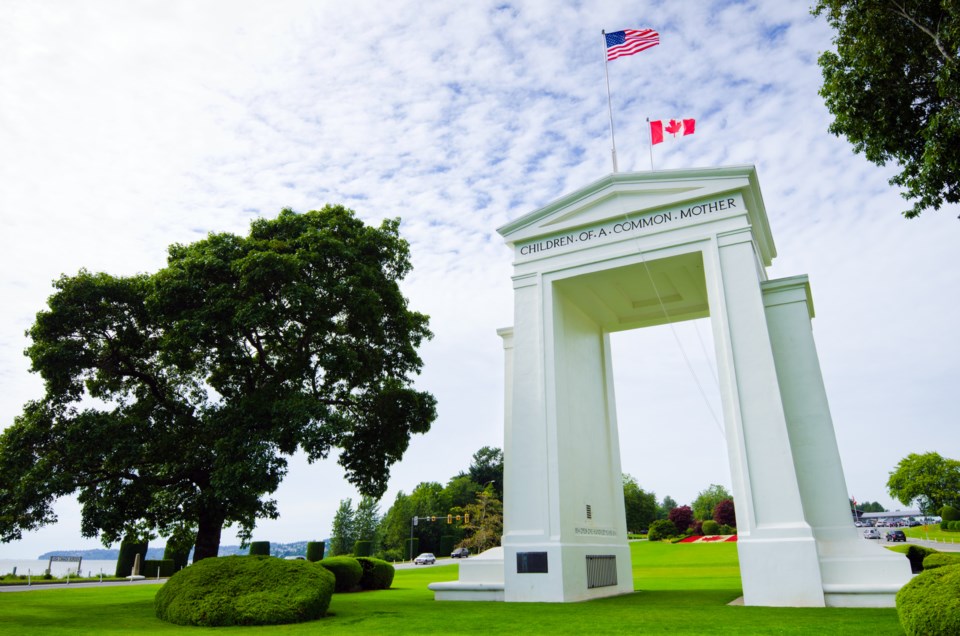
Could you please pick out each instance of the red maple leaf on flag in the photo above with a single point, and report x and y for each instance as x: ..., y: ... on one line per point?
x: 673, y: 127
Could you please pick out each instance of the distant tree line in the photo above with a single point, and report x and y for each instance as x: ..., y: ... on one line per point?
x: 466, y: 512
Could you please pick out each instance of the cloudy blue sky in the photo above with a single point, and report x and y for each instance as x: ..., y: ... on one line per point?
x: 128, y: 126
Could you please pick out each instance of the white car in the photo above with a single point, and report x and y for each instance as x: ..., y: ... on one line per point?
x: 426, y: 558
x: 871, y: 533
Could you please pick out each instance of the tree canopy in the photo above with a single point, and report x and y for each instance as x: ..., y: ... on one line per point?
x: 893, y: 87
x: 707, y: 500
x: 929, y: 479
x: 640, y: 506
x: 487, y: 468
x: 172, y: 399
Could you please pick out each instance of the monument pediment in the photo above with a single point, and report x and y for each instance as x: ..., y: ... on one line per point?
x: 662, y: 200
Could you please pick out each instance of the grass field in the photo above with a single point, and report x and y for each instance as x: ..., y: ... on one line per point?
x: 932, y: 532
x: 682, y: 589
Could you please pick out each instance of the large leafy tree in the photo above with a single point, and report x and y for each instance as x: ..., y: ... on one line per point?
x: 929, y: 479
x: 485, y: 528
x: 172, y: 400
x: 343, y: 533
x: 707, y: 500
x: 487, y: 469
x: 893, y: 87
x: 640, y: 506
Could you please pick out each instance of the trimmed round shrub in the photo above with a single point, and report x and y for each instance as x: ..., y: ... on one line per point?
x: 315, y: 550
x: 949, y: 513
x: 711, y: 527
x: 260, y: 548
x: 245, y: 590
x: 377, y: 574
x: 661, y: 529
x: 929, y: 604
x: 939, y: 560
x: 725, y: 529
x: 347, y: 571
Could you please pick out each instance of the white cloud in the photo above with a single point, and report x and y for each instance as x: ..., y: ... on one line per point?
x: 125, y: 127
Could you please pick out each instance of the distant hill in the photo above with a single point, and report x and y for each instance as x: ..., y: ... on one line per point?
x: 297, y: 548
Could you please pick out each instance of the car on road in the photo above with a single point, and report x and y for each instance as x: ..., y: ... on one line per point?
x: 425, y: 559
x: 896, y: 535
x: 460, y: 553
x: 871, y: 533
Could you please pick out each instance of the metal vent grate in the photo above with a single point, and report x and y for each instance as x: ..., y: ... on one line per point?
x: 601, y: 570
x: 589, y: 512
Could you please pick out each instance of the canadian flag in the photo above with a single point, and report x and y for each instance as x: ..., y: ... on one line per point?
x: 675, y: 127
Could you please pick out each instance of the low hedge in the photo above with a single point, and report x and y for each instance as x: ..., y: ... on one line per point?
x: 245, y: 590
x: 929, y: 604
x: 915, y: 553
x: 661, y: 529
x: 315, y: 550
x: 259, y: 548
x: 150, y: 567
x: 362, y: 548
x: 347, y: 571
x: 940, y: 559
x: 377, y: 574
x: 129, y: 550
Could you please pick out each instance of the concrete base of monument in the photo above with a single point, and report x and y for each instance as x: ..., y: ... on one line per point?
x: 858, y: 573
x: 481, y: 579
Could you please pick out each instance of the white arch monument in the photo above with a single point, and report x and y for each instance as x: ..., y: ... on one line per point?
x: 635, y: 250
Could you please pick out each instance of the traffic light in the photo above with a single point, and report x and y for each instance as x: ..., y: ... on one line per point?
x: 449, y: 518
x: 433, y: 518
x: 458, y: 517
x: 466, y: 517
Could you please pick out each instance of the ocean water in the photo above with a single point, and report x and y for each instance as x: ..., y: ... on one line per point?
x: 36, y: 567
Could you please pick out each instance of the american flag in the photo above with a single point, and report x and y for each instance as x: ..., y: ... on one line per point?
x: 630, y: 41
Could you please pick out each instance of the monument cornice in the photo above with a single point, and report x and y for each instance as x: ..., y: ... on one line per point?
x: 634, y: 194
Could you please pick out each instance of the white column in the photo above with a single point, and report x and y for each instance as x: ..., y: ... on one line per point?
x: 778, y: 557
x: 854, y: 572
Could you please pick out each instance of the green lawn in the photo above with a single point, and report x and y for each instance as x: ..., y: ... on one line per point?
x: 931, y: 533
x: 682, y: 589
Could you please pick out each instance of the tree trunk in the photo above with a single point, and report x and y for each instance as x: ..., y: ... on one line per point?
x: 208, y: 535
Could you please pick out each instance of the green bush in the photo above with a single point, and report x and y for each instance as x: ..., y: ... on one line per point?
x: 362, y: 548
x: 725, y: 529
x: 315, y: 550
x: 915, y: 553
x: 150, y: 567
x: 929, y: 604
x: 347, y: 571
x: 260, y: 548
x: 245, y: 590
x: 179, y: 556
x: 939, y: 560
x: 949, y: 513
x: 128, y: 556
x: 661, y: 529
x: 391, y: 556
x: 377, y: 574
x: 711, y: 527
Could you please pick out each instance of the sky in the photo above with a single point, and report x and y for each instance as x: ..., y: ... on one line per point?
x: 126, y: 127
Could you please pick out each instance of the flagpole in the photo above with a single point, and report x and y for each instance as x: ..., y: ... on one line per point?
x: 606, y: 71
x: 650, y: 132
